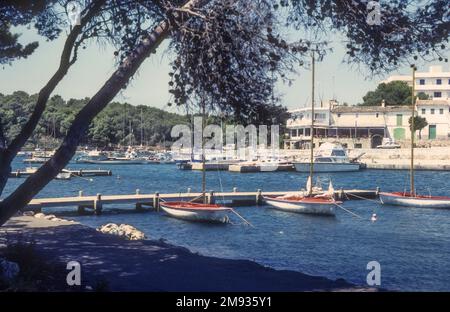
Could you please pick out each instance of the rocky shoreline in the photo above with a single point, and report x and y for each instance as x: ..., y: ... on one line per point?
x: 149, y: 265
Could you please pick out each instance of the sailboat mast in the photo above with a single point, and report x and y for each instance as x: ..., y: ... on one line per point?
x: 203, y: 154
x: 413, y: 107
x: 311, y: 165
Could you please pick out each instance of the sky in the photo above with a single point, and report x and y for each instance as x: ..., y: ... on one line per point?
x: 150, y: 86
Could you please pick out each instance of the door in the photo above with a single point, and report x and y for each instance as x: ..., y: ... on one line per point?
x: 399, y: 120
x: 432, y: 132
x: 376, y: 140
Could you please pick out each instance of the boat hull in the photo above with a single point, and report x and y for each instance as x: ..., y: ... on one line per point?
x: 213, y: 215
x: 327, y: 167
x: 326, y: 208
x: 398, y: 199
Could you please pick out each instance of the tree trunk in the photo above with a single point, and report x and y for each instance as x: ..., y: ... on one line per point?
x: 7, y: 155
x: 118, y: 80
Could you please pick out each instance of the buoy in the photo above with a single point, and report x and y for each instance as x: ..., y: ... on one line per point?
x: 374, y: 217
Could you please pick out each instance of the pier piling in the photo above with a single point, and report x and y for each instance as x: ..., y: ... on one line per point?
x: 156, y: 201
x: 98, y: 206
x: 259, y: 198
x: 211, y: 197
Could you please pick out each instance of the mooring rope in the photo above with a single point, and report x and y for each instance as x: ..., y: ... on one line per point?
x: 242, y: 218
x: 356, y: 215
x: 78, y: 176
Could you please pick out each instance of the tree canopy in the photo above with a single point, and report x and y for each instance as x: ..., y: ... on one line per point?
x: 393, y: 93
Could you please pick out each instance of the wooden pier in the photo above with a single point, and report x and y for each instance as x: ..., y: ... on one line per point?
x: 139, y: 200
x: 79, y: 173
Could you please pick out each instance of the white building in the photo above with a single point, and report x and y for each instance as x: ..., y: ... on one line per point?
x: 366, y: 126
x: 437, y: 114
x: 435, y: 83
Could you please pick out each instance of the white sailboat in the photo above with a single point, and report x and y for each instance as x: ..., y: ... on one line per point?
x: 411, y: 198
x: 192, y: 211
x: 323, y: 204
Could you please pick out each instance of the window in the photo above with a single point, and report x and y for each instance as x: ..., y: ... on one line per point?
x: 432, y: 111
x: 358, y: 145
x: 422, y: 82
x: 437, y: 94
x: 337, y: 153
x: 438, y: 81
x: 424, y: 111
x: 377, y: 115
x: 441, y: 111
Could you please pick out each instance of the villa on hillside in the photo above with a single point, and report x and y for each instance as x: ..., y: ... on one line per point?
x: 365, y: 126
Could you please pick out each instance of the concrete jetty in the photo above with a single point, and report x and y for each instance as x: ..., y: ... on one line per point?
x: 235, y: 198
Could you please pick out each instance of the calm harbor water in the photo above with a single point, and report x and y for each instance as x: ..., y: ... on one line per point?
x: 412, y: 245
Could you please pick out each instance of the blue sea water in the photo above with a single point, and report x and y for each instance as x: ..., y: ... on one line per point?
x: 411, y: 245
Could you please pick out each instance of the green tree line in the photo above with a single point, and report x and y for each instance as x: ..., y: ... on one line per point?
x: 118, y: 123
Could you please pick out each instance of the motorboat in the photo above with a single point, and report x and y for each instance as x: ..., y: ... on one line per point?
x: 330, y: 157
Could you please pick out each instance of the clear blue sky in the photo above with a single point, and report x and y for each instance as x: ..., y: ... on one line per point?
x: 150, y: 86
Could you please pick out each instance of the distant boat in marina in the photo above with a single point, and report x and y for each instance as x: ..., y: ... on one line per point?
x: 197, y: 211
x: 39, y: 157
x: 411, y: 198
x: 330, y: 157
x: 24, y: 154
x: 388, y: 143
x: 65, y: 175
x: 98, y: 157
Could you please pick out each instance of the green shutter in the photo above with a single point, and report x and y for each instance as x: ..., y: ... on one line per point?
x: 399, y: 120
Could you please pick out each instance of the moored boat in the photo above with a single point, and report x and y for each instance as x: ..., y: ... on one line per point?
x: 410, y: 200
x: 303, y: 204
x: 307, y: 202
x: 197, y: 211
x: 330, y: 157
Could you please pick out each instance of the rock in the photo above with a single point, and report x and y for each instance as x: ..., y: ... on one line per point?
x: 8, y: 270
x: 123, y: 230
x: 28, y: 213
x: 39, y: 215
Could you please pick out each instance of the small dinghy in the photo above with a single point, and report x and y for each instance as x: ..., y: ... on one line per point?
x: 197, y: 211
